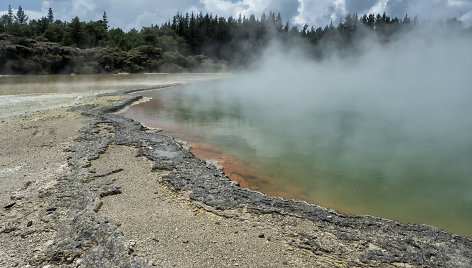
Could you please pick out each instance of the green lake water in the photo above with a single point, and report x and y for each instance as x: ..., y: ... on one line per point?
x: 411, y: 165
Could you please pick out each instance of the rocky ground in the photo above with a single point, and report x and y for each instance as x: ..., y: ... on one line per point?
x: 84, y: 187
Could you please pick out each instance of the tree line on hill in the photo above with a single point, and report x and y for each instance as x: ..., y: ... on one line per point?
x: 190, y: 42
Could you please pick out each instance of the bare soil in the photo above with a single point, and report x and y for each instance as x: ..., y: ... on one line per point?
x: 31, y: 161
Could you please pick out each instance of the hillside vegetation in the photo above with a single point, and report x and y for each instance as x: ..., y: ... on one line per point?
x: 190, y: 42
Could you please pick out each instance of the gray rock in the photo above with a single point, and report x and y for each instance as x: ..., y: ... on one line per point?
x: 10, y: 205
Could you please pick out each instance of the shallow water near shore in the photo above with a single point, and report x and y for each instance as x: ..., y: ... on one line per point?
x: 23, y: 94
x: 383, y: 173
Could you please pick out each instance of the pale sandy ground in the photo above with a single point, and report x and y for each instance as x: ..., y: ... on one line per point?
x: 17, y: 105
x: 165, y: 228
x: 31, y: 161
x: 169, y: 230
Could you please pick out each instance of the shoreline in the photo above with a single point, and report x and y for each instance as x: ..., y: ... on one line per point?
x: 83, y: 210
x: 237, y: 171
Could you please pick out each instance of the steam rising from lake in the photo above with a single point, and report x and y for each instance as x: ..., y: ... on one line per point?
x: 386, y: 131
x: 396, y: 104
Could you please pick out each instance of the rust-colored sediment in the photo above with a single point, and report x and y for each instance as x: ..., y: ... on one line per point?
x: 235, y: 170
x: 238, y: 171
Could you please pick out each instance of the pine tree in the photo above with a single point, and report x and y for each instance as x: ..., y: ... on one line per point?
x: 406, y: 20
x: 263, y: 17
x: 278, y: 22
x: 105, y: 21
x: 76, y: 32
x: 21, y: 17
x: 10, y: 15
x: 331, y: 26
x: 50, y: 16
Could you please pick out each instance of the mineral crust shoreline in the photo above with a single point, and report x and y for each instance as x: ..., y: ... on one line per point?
x: 309, y: 235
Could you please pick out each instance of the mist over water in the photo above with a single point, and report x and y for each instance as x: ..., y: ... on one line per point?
x: 384, y: 132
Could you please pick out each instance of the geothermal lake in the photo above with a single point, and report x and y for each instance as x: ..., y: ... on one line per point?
x: 408, y: 158
x: 350, y: 157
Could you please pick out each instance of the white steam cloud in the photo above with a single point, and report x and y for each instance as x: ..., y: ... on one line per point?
x: 396, y: 117
x: 384, y: 130
x: 415, y: 91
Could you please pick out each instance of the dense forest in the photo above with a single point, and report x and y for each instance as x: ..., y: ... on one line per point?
x: 190, y: 42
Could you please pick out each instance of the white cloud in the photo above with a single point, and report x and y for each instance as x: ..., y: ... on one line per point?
x: 466, y: 18
x: 34, y: 15
x: 441, y: 9
x: 379, y: 8
x: 320, y: 13
x: 228, y: 8
x: 137, y: 13
x: 222, y: 7
x: 147, y: 18
x: 68, y: 9
x: 458, y: 3
x: 339, y: 9
x: 82, y: 7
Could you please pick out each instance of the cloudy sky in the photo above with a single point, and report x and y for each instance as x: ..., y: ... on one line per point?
x: 127, y: 14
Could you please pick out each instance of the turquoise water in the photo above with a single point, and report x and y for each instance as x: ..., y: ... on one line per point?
x: 408, y: 163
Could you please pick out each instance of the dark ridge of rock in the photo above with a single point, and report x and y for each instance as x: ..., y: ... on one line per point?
x: 119, y: 105
x: 8, y: 206
x: 82, y: 107
x: 86, y: 236
x: 91, y: 242
x: 135, y: 90
x: 109, y: 173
